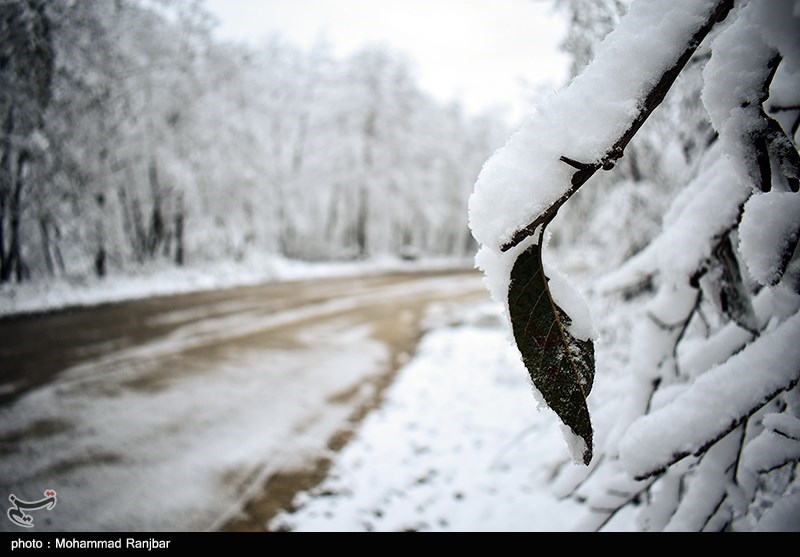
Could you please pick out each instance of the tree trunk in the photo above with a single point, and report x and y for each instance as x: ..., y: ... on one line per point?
x: 362, y: 216
x: 13, y: 262
x: 179, y: 257
x: 100, y: 254
x: 140, y: 236
x: 6, y: 182
x: 44, y: 233
x: 155, y: 235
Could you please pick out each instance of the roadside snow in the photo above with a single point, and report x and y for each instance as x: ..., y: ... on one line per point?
x: 458, y: 445
x: 174, y: 433
x: 55, y: 294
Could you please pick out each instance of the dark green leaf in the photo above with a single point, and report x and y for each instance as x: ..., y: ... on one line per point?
x: 561, y: 366
x: 731, y: 296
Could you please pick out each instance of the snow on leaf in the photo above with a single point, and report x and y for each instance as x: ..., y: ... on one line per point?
x: 560, y: 365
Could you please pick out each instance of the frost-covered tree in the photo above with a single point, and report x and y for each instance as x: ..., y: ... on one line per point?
x: 26, y: 73
x: 705, y: 433
x: 589, y: 21
x: 130, y: 139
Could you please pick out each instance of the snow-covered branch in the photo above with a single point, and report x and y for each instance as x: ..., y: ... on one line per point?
x: 588, y: 125
x: 716, y: 403
x: 710, y: 418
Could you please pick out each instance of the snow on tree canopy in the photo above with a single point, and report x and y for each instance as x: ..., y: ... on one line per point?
x: 582, y: 122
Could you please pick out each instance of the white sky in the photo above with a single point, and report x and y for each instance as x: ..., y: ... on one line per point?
x: 483, y: 53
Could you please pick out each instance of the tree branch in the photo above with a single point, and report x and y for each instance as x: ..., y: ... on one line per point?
x: 612, y: 512
x: 733, y: 425
x: 651, y: 101
x: 778, y: 108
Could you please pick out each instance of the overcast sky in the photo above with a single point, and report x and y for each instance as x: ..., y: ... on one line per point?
x: 483, y: 53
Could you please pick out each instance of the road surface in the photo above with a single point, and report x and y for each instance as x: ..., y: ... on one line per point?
x: 201, y: 411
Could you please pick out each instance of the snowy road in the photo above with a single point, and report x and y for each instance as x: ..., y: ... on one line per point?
x: 171, y: 413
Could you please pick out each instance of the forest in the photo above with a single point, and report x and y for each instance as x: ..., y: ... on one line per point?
x: 132, y: 139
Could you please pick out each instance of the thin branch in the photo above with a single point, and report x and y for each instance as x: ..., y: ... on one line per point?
x: 779, y: 465
x: 682, y: 326
x: 654, y: 384
x: 651, y: 101
x: 664, y: 326
x: 784, y: 434
x: 686, y: 323
x: 716, y: 509
x: 774, y: 109
x: 778, y: 108
x: 613, y: 512
x: 580, y: 484
x: 733, y: 425
x: 733, y: 472
x: 704, y: 319
x: 738, y: 459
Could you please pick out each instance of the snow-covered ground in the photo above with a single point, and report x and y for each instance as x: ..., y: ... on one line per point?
x: 176, y: 431
x: 63, y: 292
x: 458, y: 445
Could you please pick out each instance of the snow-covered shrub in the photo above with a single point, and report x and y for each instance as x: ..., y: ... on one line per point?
x: 708, y: 437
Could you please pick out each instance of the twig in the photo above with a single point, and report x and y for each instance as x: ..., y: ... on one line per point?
x: 613, y: 512
x: 733, y: 425
x: 774, y: 109
x: 651, y: 101
x: 714, y: 511
x: 778, y: 108
x: 585, y: 479
x: 738, y: 459
x: 686, y: 323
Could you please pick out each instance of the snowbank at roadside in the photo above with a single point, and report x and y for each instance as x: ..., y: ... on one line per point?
x: 35, y: 297
x: 458, y: 445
